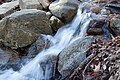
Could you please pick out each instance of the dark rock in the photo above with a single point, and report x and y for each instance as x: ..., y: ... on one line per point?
x: 95, y: 27
x: 95, y: 31
x: 115, y: 26
x: 114, y: 1
x: 114, y: 8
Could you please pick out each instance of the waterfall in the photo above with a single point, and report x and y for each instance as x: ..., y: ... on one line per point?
x: 65, y: 35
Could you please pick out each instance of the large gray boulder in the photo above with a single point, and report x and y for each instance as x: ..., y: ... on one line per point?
x: 30, y: 4
x: 23, y: 27
x: 72, y: 56
x: 115, y: 26
x: 8, y: 8
x: 64, y: 9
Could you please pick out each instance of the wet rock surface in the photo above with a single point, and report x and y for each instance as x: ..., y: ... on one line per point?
x: 72, y: 56
x: 8, y: 58
x: 49, y: 64
x: 38, y: 46
x: 85, y: 59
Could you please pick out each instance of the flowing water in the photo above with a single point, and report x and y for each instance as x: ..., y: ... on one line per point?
x: 65, y: 36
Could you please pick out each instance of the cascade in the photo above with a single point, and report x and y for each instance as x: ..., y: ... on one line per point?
x: 64, y: 36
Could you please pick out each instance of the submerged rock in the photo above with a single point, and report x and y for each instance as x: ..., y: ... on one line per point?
x: 64, y: 9
x: 48, y: 66
x: 23, y: 27
x: 7, y: 8
x: 8, y: 58
x: 72, y: 56
x: 38, y: 46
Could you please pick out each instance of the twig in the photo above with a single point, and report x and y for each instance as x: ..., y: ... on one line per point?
x: 81, y: 67
x: 87, y: 67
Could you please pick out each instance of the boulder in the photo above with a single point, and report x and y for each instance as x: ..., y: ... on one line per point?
x: 7, y: 56
x: 72, y: 56
x: 115, y: 25
x: 64, y: 9
x: 7, y: 8
x: 96, y: 27
x: 30, y: 4
x: 105, y: 12
x: 22, y: 28
x: 114, y: 8
x: 37, y: 46
x: 45, y: 3
x: 55, y: 23
x: 4, y: 57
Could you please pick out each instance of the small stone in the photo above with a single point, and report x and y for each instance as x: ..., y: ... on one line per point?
x: 48, y: 14
x: 105, y: 12
x: 55, y: 23
x: 95, y: 10
x: 95, y: 31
